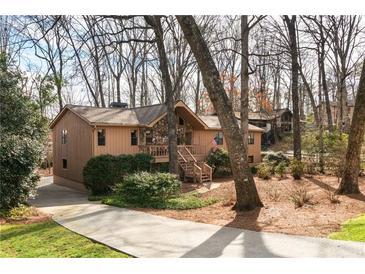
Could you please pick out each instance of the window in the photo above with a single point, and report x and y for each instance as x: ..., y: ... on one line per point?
x: 250, y: 159
x: 64, y: 136
x: 134, y: 137
x: 149, y: 137
x: 64, y: 163
x: 181, y: 121
x: 251, y: 138
x: 101, y: 137
x: 219, y: 138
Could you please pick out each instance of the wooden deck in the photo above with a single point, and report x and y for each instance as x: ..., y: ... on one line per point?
x: 161, y: 152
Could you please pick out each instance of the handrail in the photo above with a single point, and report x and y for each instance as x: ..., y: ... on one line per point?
x: 191, y: 155
x: 210, y: 170
x: 200, y: 172
x: 179, y: 153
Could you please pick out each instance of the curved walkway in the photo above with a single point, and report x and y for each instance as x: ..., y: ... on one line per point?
x: 144, y: 235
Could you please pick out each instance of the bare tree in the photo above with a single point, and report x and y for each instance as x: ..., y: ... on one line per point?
x: 349, y: 183
x: 246, y: 192
x: 292, y: 35
x: 155, y: 22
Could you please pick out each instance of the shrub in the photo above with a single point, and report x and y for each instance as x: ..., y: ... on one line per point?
x: 280, y: 169
x: 334, y: 147
x: 144, y: 186
x: 125, y: 164
x: 275, y: 158
x: 296, y: 168
x: 19, y: 157
x: 264, y: 171
x: 254, y: 170
x: 101, y: 173
x: 142, y: 162
x: 19, y: 213
x: 218, y: 159
x: 22, y: 132
x: 299, y: 197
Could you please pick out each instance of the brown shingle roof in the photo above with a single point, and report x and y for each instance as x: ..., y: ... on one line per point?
x: 119, y: 116
x: 212, y: 122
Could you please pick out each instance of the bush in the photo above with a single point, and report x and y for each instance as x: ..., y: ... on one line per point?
x: 300, y: 197
x: 102, y: 172
x: 254, y: 170
x: 19, y: 157
x: 22, y: 133
x: 144, y: 186
x: 296, y: 168
x: 125, y: 164
x: 280, y: 169
x: 219, y: 160
x: 142, y: 162
x: 264, y: 171
x: 20, y: 212
x: 275, y: 158
x: 334, y: 148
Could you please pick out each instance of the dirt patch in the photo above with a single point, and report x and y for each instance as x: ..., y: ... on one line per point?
x: 317, y: 218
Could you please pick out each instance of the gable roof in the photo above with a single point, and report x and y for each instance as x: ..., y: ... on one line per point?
x: 139, y: 116
x: 212, y: 122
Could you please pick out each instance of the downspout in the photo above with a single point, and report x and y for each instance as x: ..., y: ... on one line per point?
x: 93, y: 142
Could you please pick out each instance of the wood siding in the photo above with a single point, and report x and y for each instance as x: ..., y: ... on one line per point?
x: 78, y: 149
x: 117, y: 141
x: 205, y: 138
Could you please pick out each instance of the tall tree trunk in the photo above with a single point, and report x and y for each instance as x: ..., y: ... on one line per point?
x: 311, y: 97
x: 325, y: 91
x: 246, y: 192
x: 291, y: 25
x: 155, y: 22
x: 197, y: 92
x: 349, y: 183
x: 320, y: 105
x: 244, y: 80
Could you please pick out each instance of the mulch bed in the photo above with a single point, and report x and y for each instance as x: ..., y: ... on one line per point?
x: 39, y: 217
x: 317, y: 218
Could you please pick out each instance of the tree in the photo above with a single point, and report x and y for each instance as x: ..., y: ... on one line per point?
x: 246, y: 192
x: 23, y: 130
x: 291, y: 26
x: 155, y: 22
x: 349, y: 183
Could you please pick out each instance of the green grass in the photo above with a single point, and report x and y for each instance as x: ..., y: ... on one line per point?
x: 352, y: 230
x: 184, y: 201
x: 49, y: 240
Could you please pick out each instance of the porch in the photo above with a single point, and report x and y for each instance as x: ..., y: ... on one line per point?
x: 161, y: 153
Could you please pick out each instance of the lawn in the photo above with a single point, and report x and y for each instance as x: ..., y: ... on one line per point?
x: 182, y: 202
x: 352, y: 230
x: 49, y: 240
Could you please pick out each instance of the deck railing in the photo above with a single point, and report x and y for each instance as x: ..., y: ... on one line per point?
x: 162, y: 150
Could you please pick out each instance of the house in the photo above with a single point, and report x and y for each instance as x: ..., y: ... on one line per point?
x: 274, y: 123
x: 335, y: 112
x: 81, y: 132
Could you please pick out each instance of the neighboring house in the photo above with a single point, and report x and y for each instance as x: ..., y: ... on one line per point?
x: 274, y: 123
x: 335, y: 112
x: 81, y: 132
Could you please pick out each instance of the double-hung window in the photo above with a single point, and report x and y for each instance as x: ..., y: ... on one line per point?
x: 101, y: 137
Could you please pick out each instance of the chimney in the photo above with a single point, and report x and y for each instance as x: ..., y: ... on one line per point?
x: 118, y: 105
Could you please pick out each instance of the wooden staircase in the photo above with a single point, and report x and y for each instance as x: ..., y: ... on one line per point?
x: 197, y: 170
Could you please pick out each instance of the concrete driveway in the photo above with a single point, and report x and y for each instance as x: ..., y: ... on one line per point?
x: 144, y: 235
